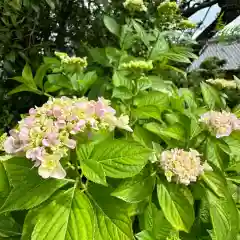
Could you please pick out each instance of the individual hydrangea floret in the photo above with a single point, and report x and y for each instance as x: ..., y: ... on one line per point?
x: 66, y: 60
x: 135, y: 5
x: 221, y: 123
x: 48, y: 133
x: 181, y: 166
x: 223, y: 83
x: 138, y: 65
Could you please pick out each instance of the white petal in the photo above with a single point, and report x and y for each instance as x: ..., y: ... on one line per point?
x: 8, y: 145
x: 58, y: 172
x: 44, y: 172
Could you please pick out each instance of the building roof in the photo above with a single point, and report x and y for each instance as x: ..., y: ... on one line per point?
x: 227, y: 50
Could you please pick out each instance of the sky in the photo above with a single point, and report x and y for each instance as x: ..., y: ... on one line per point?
x: 199, y: 16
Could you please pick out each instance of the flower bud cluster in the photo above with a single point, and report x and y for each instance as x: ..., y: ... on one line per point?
x: 135, y: 5
x: 66, y: 60
x: 181, y: 166
x: 48, y: 133
x: 138, y: 65
x: 221, y: 123
x: 223, y: 83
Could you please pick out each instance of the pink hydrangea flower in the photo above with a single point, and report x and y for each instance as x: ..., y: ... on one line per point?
x: 47, y: 134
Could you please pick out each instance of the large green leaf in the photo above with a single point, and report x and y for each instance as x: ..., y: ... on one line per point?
x: 175, y: 205
x: 233, y: 142
x: 122, y: 93
x: 224, y: 216
x: 27, y: 76
x: 40, y: 74
x: 176, y: 131
x: 4, y: 184
x: 19, y: 170
x: 143, y: 136
x: 161, y: 46
x: 151, y: 219
x: 88, y: 80
x: 59, y: 80
x: 212, y: 152
x: 151, y: 105
x: 113, y: 220
x: 8, y: 227
x: 91, y: 169
x: 36, y: 191
x: 210, y: 96
x: 141, y: 32
x: 119, y: 158
x: 216, y: 182
x: 119, y: 79
x: 112, y: 25
x: 24, y: 88
x: 137, y: 188
x: 67, y: 216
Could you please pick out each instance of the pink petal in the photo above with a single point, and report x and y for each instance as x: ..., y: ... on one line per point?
x: 70, y: 143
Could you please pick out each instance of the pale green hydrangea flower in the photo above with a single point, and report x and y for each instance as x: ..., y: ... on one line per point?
x: 181, y: 166
x: 135, y: 5
x: 221, y: 123
x: 138, y: 65
x: 223, y: 83
x: 66, y: 60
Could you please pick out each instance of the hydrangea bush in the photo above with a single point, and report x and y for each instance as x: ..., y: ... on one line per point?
x: 131, y: 156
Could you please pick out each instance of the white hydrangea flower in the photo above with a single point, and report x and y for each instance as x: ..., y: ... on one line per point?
x: 221, y: 123
x: 182, y: 166
x: 135, y: 5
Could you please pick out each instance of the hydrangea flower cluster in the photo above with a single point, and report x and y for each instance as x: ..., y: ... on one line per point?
x: 221, y: 123
x: 66, y: 60
x: 138, y: 65
x: 47, y: 134
x: 135, y: 5
x: 181, y: 166
x: 223, y: 83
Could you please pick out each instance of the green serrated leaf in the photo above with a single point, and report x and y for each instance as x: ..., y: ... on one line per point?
x: 224, y: 216
x: 91, y: 169
x: 113, y: 221
x: 151, y: 105
x: 24, y: 88
x: 120, y: 80
x: 161, y: 46
x: 40, y: 74
x: 59, y: 80
x: 121, y: 93
x: 68, y: 215
x: 210, y: 96
x: 141, y: 32
x: 8, y: 227
x: 216, y: 182
x: 119, y: 158
x: 151, y: 219
x: 27, y: 76
x: 143, y: 136
x: 112, y: 25
x: 36, y: 191
x: 137, y: 188
x: 88, y: 80
x: 175, y: 206
x: 176, y: 131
